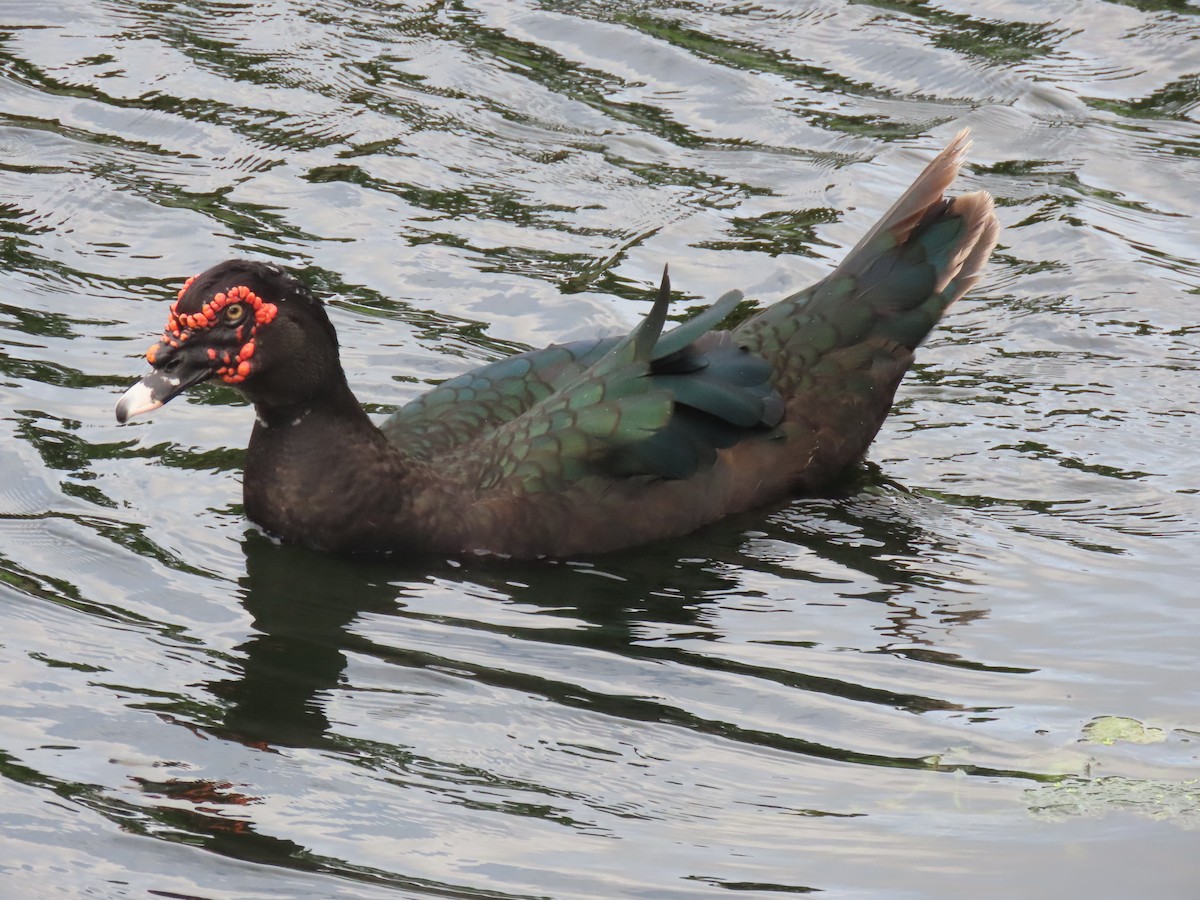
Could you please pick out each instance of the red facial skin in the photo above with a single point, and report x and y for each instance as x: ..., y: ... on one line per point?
x: 181, y: 326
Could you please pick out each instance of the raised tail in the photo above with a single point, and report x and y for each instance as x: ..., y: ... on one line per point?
x: 839, y: 349
x: 952, y: 239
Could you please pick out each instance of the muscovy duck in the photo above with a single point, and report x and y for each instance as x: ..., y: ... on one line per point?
x: 581, y: 447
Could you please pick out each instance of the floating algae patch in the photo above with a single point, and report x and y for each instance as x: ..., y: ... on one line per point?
x: 1177, y: 802
x: 1163, y: 799
x: 1115, y: 729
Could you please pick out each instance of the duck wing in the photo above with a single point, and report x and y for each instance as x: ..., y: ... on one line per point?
x: 478, y: 402
x: 654, y: 404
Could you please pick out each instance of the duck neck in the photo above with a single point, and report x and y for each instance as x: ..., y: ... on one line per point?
x: 318, y: 472
x: 336, y: 407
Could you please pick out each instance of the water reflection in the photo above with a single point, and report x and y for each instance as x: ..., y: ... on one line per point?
x: 305, y: 612
x: 302, y: 609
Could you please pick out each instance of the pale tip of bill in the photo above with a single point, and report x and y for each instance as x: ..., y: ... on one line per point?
x: 135, y: 401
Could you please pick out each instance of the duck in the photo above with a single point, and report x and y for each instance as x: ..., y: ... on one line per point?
x: 582, y: 447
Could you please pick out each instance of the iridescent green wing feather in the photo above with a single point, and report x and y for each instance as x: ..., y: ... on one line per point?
x: 463, y: 408
x: 657, y: 405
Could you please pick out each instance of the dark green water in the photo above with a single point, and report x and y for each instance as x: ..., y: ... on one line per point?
x: 894, y: 692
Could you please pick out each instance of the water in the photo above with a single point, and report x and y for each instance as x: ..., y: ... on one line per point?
x: 894, y: 691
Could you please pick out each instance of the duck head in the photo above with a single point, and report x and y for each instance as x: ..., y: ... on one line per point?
x: 252, y: 325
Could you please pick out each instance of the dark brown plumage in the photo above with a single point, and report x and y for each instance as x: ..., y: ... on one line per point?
x: 581, y: 447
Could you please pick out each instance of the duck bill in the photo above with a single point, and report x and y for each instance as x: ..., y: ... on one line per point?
x: 161, y: 385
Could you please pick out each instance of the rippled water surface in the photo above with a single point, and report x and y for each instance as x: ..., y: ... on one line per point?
x: 973, y: 670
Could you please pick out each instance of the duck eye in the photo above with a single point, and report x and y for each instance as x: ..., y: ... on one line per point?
x: 234, y: 313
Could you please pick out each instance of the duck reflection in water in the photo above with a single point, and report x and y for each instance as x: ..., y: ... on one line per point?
x: 305, y: 608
